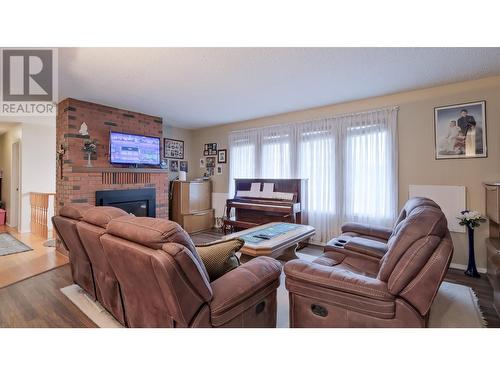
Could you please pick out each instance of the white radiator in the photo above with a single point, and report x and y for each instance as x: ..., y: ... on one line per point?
x: 452, y: 200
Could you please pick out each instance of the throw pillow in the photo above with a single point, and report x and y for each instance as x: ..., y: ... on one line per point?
x: 219, y: 257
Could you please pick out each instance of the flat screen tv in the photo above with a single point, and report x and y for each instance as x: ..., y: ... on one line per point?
x: 134, y: 149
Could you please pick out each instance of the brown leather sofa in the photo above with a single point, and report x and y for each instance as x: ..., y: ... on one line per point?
x: 90, y: 229
x: 65, y: 227
x: 147, y: 273
x: 370, y: 241
x: 347, y: 290
x: 165, y: 284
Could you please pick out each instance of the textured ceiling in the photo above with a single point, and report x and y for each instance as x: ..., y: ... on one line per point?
x: 198, y: 87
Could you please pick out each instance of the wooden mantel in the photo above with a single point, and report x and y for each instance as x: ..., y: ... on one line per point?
x: 114, y: 170
x: 121, y: 176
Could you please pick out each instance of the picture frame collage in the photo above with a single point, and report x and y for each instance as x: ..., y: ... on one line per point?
x: 173, y: 154
x: 213, y: 159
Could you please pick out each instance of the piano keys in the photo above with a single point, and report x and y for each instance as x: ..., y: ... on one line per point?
x: 261, y: 201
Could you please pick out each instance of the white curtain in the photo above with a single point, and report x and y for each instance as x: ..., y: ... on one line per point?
x: 242, y: 157
x: 350, y: 162
x: 317, y: 162
x: 275, y: 148
x: 370, y: 168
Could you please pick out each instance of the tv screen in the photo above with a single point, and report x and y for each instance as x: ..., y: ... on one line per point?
x: 134, y: 149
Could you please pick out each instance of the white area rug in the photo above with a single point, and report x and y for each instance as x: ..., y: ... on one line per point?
x: 455, y: 306
x: 92, y: 309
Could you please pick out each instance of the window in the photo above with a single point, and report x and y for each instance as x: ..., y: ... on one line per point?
x: 317, y: 164
x: 241, y: 162
x: 350, y: 162
x: 275, y: 160
x: 368, y: 175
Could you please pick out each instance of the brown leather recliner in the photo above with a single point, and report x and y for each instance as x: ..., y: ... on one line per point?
x: 65, y: 227
x: 339, y: 290
x: 165, y: 284
x: 370, y: 241
x: 91, y: 227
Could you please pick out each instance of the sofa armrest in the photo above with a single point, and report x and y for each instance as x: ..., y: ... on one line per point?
x: 368, y: 230
x: 336, y: 278
x: 243, y: 287
x: 365, y: 246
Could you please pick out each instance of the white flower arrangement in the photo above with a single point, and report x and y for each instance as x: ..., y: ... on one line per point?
x: 472, y: 219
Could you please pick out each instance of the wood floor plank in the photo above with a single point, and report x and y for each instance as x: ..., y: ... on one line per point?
x: 38, y: 302
x: 20, y: 266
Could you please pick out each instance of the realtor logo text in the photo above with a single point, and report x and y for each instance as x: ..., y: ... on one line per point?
x: 28, y: 84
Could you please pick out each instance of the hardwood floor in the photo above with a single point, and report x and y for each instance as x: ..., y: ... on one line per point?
x: 20, y: 266
x: 38, y: 302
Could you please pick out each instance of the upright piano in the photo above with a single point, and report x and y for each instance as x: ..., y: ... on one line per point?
x: 260, y: 201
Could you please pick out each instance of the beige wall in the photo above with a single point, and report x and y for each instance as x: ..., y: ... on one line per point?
x: 6, y: 140
x: 38, y: 166
x: 185, y: 135
x: 417, y: 164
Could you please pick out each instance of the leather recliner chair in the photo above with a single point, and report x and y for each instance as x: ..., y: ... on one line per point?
x: 65, y: 227
x: 370, y: 241
x: 165, y: 284
x: 340, y: 290
x: 90, y: 229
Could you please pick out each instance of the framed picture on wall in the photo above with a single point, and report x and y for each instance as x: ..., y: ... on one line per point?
x: 222, y: 156
x: 173, y: 148
x: 183, y: 166
x: 174, y: 166
x: 210, y: 162
x: 210, y: 147
x: 460, y: 131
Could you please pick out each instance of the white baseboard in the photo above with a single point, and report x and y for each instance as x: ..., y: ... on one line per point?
x: 463, y: 267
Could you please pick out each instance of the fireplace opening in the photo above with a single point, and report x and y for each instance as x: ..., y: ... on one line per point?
x: 140, y: 202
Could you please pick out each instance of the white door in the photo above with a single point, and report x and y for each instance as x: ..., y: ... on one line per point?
x: 14, y: 187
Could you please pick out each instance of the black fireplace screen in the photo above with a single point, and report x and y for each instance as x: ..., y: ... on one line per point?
x: 140, y: 202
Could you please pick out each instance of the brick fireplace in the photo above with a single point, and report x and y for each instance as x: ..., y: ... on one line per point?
x: 77, y: 183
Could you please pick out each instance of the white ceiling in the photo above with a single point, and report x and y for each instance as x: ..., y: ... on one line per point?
x: 199, y: 87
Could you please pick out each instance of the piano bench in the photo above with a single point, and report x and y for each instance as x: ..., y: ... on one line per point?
x: 232, y: 224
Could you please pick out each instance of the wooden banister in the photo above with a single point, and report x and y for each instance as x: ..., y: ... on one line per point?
x: 39, y: 213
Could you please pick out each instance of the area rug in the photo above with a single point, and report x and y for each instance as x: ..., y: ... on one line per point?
x: 455, y: 306
x: 92, y: 309
x: 10, y: 245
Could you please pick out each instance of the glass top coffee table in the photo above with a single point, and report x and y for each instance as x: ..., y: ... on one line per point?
x: 273, y: 239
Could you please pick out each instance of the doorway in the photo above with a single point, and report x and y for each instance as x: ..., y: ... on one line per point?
x: 13, y: 220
